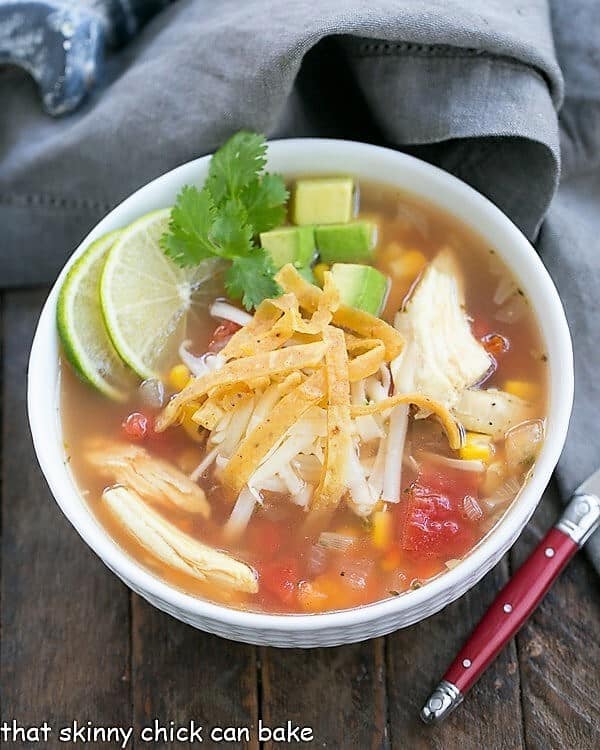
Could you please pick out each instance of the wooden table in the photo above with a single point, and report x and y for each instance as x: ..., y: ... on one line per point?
x: 78, y: 645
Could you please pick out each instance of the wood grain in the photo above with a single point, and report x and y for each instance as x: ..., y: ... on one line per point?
x: 559, y: 650
x: 490, y: 717
x: 67, y: 625
x: 180, y: 674
x: 64, y: 653
x: 338, y: 692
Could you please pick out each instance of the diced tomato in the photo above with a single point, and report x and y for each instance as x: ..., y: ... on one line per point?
x: 137, y: 426
x: 280, y: 579
x: 265, y: 537
x: 495, y: 344
x: 431, y: 518
x: 454, y: 483
x: 222, y: 334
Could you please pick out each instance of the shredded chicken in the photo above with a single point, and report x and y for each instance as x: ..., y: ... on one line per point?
x: 448, y: 357
x: 492, y: 412
x: 153, y: 478
x: 171, y: 545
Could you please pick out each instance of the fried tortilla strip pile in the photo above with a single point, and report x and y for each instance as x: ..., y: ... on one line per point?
x: 297, y: 357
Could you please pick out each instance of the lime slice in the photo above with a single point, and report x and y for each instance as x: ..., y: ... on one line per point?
x: 146, y: 298
x: 81, y: 326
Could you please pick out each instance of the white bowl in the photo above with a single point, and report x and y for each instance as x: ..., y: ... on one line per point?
x: 316, y: 156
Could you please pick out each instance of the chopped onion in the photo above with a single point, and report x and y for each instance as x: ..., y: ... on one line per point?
x: 505, y: 289
x: 332, y: 540
x: 317, y: 560
x: 152, y: 393
x: 225, y: 311
x: 241, y: 513
x: 454, y: 463
x: 201, y: 365
x: 513, y: 310
x: 523, y: 442
x: 472, y: 508
x: 204, y: 464
x: 308, y: 466
x: 507, y: 491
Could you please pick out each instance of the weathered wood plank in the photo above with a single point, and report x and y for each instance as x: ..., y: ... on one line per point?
x: 490, y: 717
x: 559, y: 650
x: 180, y: 674
x: 338, y: 692
x: 64, y: 653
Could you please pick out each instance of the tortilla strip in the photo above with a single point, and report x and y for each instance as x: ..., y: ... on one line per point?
x: 243, y: 370
x: 309, y: 297
x: 255, y: 446
x: 453, y: 429
x: 339, y: 428
x: 367, y: 363
x: 208, y: 415
x: 269, y: 329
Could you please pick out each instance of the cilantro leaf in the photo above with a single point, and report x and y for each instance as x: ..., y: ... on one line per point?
x: 231, y: 231
x: 236, y: 164
x: 223, y: 219
x: 251, y: 279
x: 265, y: 201
x: 188, y: 242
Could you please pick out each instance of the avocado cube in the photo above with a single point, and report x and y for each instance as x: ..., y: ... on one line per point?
x: 323, y: 201
x: 346, y: 243
x: 362, y: 287
x: 289, y: 245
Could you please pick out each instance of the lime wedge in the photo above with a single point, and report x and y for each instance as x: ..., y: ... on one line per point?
x: 146, y: 298
x: 81, y: 325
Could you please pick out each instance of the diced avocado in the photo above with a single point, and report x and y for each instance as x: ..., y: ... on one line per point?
x: 289, y: 245
x: 363, y: 287
x: 323, y: 201
x: 346, y: 243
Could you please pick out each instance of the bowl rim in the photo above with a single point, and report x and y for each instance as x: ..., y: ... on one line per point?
x: 43, y: 374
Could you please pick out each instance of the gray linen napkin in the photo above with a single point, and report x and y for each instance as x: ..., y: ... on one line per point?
x: 472, y: 86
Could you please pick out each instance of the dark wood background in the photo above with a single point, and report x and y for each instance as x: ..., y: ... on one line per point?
x: 77, y: 644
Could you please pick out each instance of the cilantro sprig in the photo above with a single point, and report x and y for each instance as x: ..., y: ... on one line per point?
x: 238, y: 201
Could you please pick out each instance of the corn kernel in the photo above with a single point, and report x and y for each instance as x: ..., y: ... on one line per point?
x: 523, y: 389
x: 408, y: 265
x: 477, y: 447
x: 191, y: 428
x: 178, y: 377
x: 382, y: 529
x: 319, y: 272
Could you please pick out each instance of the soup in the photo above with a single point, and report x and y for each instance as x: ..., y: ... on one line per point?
x: 344, y: 441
